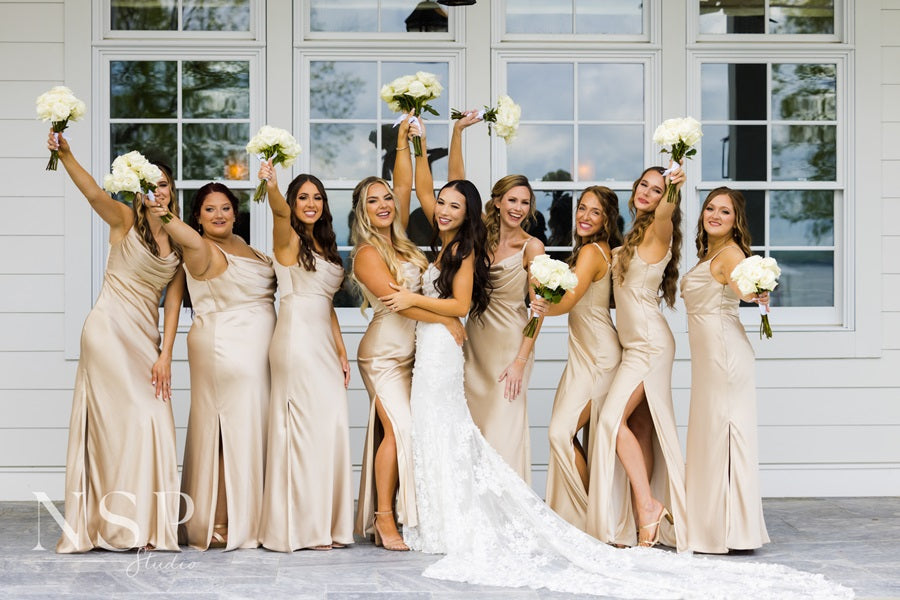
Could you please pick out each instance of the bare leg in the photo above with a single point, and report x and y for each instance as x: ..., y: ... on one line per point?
x: 580, y: 454
x: 387, y: 475
x: 641, y: 425
x: 220, y: 522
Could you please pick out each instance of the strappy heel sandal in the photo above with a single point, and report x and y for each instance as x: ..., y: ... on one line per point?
x: 219, y: 536
x: 396, y: 544
x: 663, y: 514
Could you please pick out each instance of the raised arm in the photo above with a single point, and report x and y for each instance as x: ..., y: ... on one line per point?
x: 457, y: 305
x: 117, y: 215
x: 662, y: 227
x: 198, y: 254
x: 456, y: 168
x: 424, y: 179
x: 285, y: 243
x: 402, y: 183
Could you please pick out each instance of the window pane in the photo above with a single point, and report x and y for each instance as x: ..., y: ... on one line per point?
x: 393, y: 70
x: 802, y: 218
x: 342, y: 90
x: 210, y: 149
x: 413, y: 16
x: 801, y: 16
x: 804, y: 92
x: 349, y: 294
x: 552, y: 99
x: 149, y: 15
x: 539, y: 16
x: 595, y: 100
x: 807, y: 278
x: 555, y: 220
x: 216, y: 15
x: 804, y: 152
x: 216, y: 89
x: 735, y: 16
x: 610, y: 152
x: 733, y: 91
x: 556, y: 144
x: 143, y: 89
x: 157, y: 141
x: 342, y: 151
x: 340, y: 202
x: 611, y: 16
x: 343, y: 15
x: 733, y: 152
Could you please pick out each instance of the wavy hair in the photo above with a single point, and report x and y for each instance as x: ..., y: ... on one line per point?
x: 322, y: 229
x: 469, y: 239
x: 609, y: 231
x: 492, y: 213
x: 669, y: 284
x: 394, y: 250
x: 741, y: 230
x: 201, y: 194
x: 141, y: 223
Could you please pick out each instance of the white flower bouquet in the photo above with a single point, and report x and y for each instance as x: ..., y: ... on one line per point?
x: 132, y: 174
x: 411, y: 93
x: 59, y: 106
x: 276, y: 144
x: 505, y: 117
x: 554, y: 279
x: 755, y: 275
x: 678, y: 138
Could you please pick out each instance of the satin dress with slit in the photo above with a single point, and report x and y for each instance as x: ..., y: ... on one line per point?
x: 228, y: 351
x: 648, y: 352
x: 492, y: 345
x: 594, y: 354
x: 308, y: 500
x: 724, y: 507
x: 121, y: 454
x: 385, y: 358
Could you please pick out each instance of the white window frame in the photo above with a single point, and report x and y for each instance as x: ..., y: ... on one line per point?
x: 303, y: 32
x: 648, y: 35
x: 103, y: 15
x: 843, y: 25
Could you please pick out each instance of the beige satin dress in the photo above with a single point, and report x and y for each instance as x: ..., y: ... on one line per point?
x: 648, y: 351
x: 385, y: 357
x: 594, y: 354
x: 724, y: 507
x: 492, y: 345
x: 308, y: 501
x: 121, y: 454
x: 228, y: 351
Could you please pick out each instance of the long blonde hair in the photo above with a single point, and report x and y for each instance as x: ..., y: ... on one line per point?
x: 741, y: 230
x: 394, y: 250
x: 492, y: 213
x: 142, y: 225
x: 669, y: 284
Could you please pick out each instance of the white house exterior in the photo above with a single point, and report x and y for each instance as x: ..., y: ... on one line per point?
x: 807, y: 122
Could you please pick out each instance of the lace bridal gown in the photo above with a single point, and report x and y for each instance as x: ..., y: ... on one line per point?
x: 494, y: 530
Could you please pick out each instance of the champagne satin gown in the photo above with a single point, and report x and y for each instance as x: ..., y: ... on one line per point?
x: 385, y: 358
x: 648, y: 352
x: 493, y: 343
x: 724, y: 507
x: 121, y: 455
x: 594, y: 354
x: 228, y: 351
x: 308, y: 501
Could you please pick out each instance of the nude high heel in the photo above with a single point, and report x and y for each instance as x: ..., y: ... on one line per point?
x: 395, y: 544
x: 664, y: 513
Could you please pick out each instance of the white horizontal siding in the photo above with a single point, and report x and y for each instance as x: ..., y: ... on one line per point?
x: 32, y: 22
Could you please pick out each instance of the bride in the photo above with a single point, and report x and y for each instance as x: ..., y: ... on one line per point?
x: 473, y: 508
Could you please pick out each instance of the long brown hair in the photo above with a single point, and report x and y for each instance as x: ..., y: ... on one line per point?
x: 669, y: 284
x: 609, y: 232
x: 142, y: 225
x: 741, y: 230
x: 322, y: 230
x: 492, y: 213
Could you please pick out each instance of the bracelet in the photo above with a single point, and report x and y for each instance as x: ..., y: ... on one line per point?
x: 406, y: 147
x: 521, y: 358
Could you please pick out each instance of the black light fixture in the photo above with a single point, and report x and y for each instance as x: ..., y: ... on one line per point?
x: 456, y: 2
x: 427, y: 16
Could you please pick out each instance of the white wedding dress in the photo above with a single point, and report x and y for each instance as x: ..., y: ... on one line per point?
x: 494, y: 530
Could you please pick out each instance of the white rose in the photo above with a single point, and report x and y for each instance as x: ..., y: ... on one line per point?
x: 417, y: 90
x: 570, y: 281
x: 151, y: 173
x: 767, y: 281
x: 689, y: 131
x: 388, y: 92
x: 665, y: 134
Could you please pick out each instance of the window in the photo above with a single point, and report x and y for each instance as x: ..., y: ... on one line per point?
x: 574, y: 19
x: 235, y: 19
x: 376, y: 19
x: 810, y: 20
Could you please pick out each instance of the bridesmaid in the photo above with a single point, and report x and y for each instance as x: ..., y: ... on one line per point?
x: 383, y: 255
x: 307, y: 501
x: 724, y: 508
x: 232, y: 289
x: 121, y: 456
x: 498, y: 357
x: 594, y: 351
x: 637, y: 420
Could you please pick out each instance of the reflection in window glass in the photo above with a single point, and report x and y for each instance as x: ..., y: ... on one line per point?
x: 539, y: 16
x: 349, y: 295
x: 152, y: 15
x: 342, y: 90
x: 802, y: 218
x: 143, y: 89
x: 781, y: 16
x: 804, y: 92
x: 610, y: 152
x: 552, y: 99
x: 158, y: 142
x: 804, y: 152
x: 216, y: 89
x: 386, y: 16
x: 216, y: 15
x: 216, y: 151
x: 609, y: 17
x: 739, y: 16
x: 196, y: 15
x: 733, y: 152
x: 340, y: 201
x: 807, y: 277
x: 733, y: 91
x: 342, y: 150
x: 597, y: 82
x: 557, y: 150
x: 574, y: 16
x: 801, y: 16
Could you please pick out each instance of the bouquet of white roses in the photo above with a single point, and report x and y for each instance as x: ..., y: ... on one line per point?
x: 276, y: 144
x: 678, y: 138
x: 411, y: 93
x: 554, y: 278
x: 133, y: 174
x: 755, y: 275
x: 505, y: 117
x: 59, y: 106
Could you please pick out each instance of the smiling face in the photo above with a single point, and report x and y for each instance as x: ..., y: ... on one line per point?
x: 648, y: 191
x: 309, y: 204
x: 450, y: 210
x: 380, y: 207
x: 163, y: 191
x: 216, y: 215
x: 514, y: 206
x: 589, y: 216
x: 718, y: 216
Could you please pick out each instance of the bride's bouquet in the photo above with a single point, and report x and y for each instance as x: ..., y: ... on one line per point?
x: 276, y: 144
x: 59, y: 106
x: 554, y: 279
x: 411, y: 93
x: 755, y: 275
x: 133, y: 174
x: 505, y: 117
x: 678, y: 138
